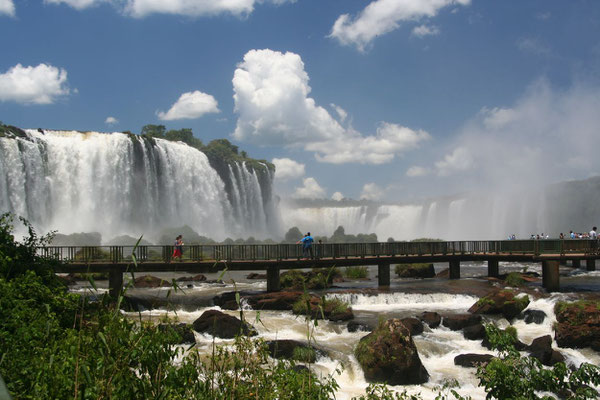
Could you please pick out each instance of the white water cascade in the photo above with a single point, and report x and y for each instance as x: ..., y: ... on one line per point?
x: 123, y: 184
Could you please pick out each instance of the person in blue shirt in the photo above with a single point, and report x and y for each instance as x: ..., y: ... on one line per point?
x: 307, y: 242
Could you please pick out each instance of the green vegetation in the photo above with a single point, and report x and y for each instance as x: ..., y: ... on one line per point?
x: 356, y: 272
x: 514, y: 279
x: 415, y: 270
x: 318, y: 278
x: 580, y: 304
x: 485, y: 301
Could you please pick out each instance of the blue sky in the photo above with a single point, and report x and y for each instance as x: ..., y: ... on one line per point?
x: 389, y: 100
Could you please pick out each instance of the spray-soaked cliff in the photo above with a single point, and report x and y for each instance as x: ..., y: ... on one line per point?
x: 127, y: 184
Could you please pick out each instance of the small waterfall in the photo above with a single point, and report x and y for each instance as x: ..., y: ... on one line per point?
x: 125, y: 184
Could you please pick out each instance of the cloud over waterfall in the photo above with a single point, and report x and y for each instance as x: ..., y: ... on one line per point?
x: 383, y: 16
x: 286, y: 168
x: 42, y: 84
x: 190, y: 105
x: 271, y: 95
x: 7, y: 7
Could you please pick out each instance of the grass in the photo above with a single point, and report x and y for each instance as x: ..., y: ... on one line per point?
x: 356, y: 272
x: 514, y: 279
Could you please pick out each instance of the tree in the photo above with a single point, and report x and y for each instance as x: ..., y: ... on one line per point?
x: 157, y: 131
x: 293, y: 235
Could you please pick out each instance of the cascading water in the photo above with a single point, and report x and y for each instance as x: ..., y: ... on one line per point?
x: 124, y: 184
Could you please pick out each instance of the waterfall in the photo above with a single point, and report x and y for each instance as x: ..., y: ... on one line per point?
x: 125, y: 184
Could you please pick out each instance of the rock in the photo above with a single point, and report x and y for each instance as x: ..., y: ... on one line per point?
x: 456, y: 322
x: 445, y: 273
x: 414, y: 325
x: 432, y: 319
x: 502, y: 302
x: 388, y: 355
x: 254, y: 275
x: 541, y: 348
x: 332, y: 309
x: 279, y: 301
x: 474, y: 332
x: 184, y: 330
x: 222, y: 325
x: 415, y: 270
x: 533, y: 316
x: 472, y: 360
x: 293, y: 350
x: 149, y: 281
x: 578, y: 324
x: 354, y: 326
x: 195, y: 278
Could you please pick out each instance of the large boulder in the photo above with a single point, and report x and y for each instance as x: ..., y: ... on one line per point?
x: 149, y: 281
x: 533, y: 316
x: 472, y: 360
x: 415, y: 270
x: 541, y: 348
x: 278, y: 301
x: 293, y: 350
x: 221, y: 325
x: 432, y: 319
x: 456, y: 322
x: 195, y: 278
x: 354, y: 326
x: 474, y: 332
x: 318, y: 308
x: 578, y: 324
x: 414, y: 325
x: 505, y: 302
x: 389, y: 355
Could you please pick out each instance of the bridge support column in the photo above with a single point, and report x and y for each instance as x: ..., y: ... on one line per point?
x: 383, y: 274
x: 590, y: 264
x: 493, y: 270
x: 273, y: 284
x: 115, y: 282
x: 576, y: 263
x: 550, y: 276
x: 454, y: 272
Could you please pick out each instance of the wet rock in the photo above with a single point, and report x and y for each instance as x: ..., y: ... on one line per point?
x: 503, y: 302
x: 255, y: 275
x: 185, y: 331
x: 432, y: 319
x: 533, y: 316
x: 293, y: 350
x: 195, y: 278
x: 279, y: 301
x: 354, y: 326
x: 472, y: 360
x: 388, y: 355
x: 456, y: 322
x: 414, y: 325
x: 578, y: 324
x: 331, y: 309
x: 222, y: 325
x: 445, y: 273
x: 541, y: 348
x: 474, y: 332
x: 149, y: 281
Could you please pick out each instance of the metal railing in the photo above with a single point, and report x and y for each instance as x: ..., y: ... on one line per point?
x: 263, y: 252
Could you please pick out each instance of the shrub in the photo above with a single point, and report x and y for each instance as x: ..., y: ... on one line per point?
x: 356, y: 272
x: 514, y: 279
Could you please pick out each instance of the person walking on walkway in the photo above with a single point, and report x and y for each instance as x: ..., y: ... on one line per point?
x: 178, y: 247
x: 593, y: 233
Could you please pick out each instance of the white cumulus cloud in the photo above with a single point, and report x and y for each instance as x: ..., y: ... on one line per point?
x: 310, y: 189
x: 190, y: 105
x: 77, y: 4
x: 196, y: 8
x: 271, y: 95
x: 383, y: 16
x: 425, y: 30
x: 42, y: 84
x: 337, y: 196
x: 416, y: 171
x: 340, y: 112
x: 286, y: 168
x: 7, y: 7
x: 371, y: 191
x: 111, y: 121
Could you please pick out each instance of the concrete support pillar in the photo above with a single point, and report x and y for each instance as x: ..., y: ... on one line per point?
x: 493, y: 270
x: 576, y: 263
x: 454, y: 269
x: 273, y: 284
x: 115, y: 282
x: 550, y: 275
x: 383, y: 273
x: 590, y: 263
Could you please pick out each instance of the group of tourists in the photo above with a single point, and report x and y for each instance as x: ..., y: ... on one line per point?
x: 178, y: 248
x: 593, y: 234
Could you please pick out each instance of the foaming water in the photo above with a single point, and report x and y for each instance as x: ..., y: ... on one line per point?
x: 405, y: 301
